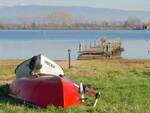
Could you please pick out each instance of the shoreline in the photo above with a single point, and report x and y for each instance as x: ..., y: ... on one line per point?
x: 77, y: 29
x: 66, y: 61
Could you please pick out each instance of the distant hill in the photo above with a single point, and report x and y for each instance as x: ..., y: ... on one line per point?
x: 16, y: 14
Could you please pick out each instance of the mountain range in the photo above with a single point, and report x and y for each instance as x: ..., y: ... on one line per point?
x: 15, y: 14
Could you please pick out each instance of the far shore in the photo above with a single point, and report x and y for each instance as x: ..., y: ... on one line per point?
x: 82, y: 28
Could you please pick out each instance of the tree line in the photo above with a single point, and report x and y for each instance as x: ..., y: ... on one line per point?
x: 63, y: 20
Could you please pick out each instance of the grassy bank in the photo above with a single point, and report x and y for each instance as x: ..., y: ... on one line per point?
x: 124, y: 85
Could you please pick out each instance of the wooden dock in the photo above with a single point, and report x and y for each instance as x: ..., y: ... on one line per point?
x: 103, y: 50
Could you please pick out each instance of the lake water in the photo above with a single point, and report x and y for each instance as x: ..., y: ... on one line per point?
x: 23, y: 44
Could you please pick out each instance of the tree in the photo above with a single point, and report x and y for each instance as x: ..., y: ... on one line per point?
x: 61, y: 18
x: 133, y: 21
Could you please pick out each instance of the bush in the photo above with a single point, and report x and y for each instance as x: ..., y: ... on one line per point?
x: 4, y: 90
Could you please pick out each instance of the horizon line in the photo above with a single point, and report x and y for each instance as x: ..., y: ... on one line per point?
x: 5, y: 6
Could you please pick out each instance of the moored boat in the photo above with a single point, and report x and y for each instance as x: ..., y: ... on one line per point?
x: 46, y: 90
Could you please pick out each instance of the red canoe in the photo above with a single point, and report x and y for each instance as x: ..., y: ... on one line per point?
x: 46, y: 90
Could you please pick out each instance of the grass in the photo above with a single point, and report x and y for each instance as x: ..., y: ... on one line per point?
x: 124, y: 86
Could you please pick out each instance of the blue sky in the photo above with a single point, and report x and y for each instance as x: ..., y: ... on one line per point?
x: 115, y: 4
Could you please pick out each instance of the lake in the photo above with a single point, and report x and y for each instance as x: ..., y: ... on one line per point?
x: 23, y: 44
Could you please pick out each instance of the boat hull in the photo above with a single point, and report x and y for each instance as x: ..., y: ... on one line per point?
x: 38, y: 64
x: 44, y: 91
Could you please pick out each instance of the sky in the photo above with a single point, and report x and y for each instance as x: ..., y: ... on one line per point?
x: 143, y: 5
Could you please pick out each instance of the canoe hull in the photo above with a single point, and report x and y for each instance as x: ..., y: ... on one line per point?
x: 44, y: 91
x: 38, y: 64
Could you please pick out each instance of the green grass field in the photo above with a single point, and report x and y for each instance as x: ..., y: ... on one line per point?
x: 124, y: 86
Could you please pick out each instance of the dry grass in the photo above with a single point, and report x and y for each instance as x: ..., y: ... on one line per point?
x: 7, y: 67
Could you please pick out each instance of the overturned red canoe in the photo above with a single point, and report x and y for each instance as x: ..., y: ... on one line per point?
x: 46, y: 90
